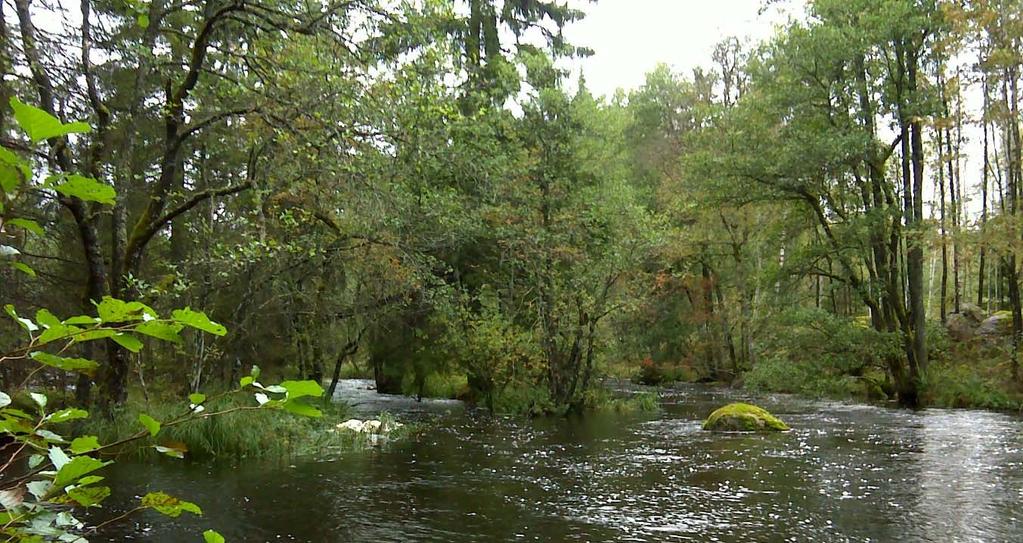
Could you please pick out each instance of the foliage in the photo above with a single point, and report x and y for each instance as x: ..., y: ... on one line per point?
x: 962, y: 385
x: 60, y: 474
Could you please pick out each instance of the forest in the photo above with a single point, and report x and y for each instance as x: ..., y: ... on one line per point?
x: 199, y: 194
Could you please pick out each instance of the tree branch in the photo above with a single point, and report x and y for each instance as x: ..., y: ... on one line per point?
x: 195, y: 200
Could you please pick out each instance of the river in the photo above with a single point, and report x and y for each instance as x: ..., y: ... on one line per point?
x: 844, y: 473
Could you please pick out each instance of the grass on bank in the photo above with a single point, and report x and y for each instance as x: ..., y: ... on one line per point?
x: 264, y: 433
x: 980, y: 384
x: 276, y: 434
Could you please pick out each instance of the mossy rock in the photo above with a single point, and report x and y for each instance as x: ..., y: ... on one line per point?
x: 743, y: 417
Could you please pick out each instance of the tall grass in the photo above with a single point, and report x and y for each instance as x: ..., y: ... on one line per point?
x: 261, y: 433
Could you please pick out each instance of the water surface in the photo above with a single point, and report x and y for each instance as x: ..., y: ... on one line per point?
x: 845, y: 473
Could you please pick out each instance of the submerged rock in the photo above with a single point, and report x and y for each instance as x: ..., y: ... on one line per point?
x: 368, y: 426
x: 743, y: 417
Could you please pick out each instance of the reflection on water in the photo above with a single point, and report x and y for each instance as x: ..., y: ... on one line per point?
x: 845, y: 473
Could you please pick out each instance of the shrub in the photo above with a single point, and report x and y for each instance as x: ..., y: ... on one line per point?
x: 657, y: 373
x: 776, y: 375
x: 960, y: 385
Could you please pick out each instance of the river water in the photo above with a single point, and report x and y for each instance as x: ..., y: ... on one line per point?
x: 844, y: 473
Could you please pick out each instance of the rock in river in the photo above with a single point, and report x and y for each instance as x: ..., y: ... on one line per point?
x: 369, y: 426
x: 743, y: 417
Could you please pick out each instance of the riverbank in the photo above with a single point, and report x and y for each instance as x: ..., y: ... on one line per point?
x: 983, y: 383
x: 262, y: 434
x: 275, y: 434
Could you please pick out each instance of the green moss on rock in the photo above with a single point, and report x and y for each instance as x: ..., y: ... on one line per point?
x: 743, y: 417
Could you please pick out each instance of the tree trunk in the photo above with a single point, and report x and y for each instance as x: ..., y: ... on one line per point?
x: 983, y: 199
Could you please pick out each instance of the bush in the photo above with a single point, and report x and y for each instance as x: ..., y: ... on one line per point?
x: 786, y: 376
x: 657, y: 373
x: 436, y: 385
x: 528, y: 400
x: 776, y: 375
x: 816, y: 353
x: 602, y: 399
x: 960, y: 385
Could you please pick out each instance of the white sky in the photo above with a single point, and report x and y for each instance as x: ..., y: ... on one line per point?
x: 630, y: 37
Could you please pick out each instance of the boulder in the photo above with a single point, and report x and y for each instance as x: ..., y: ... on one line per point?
x: 743, y: 417
x: 997, y: 325
x: 961, y: 327
x: 972, y: 312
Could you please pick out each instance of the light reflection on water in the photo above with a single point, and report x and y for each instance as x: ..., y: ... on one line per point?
x: 845, y: 473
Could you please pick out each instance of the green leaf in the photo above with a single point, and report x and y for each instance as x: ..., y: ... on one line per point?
x: 83, y: 188
x: 50, y: 436
x: 128, y: 341
x: 70, y: 413
x: 82, y: 320
x: 114, y: 310
x: 76, y: 469
x: 169, y: 505
x: 87, y: 496
x: 39, y: 399
x: 143, y: 21
x: 83, y: 444
x: 150, y: 423
x: 299, y: 389
x: 13, y: 171
x: 90, y: 479
x: 199, y: 321
x: 210, y: 536
x: 245, y: 381
x: 81, y: 365
x: 12, y: 412
x: 197, y: 398
x: 39, y: 488
x: 40, y: 125
x: 27, y: 224
x: 24, y: 268
x: 27, y: 324
x: 58, y: 457
x: 58, y: 332
x: 167, y: 331
x: 54, y: 328
x: 169, y: 451
x: 47, y: 319
x: 301, y: 408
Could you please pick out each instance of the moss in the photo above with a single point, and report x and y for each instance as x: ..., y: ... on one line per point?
x: 743, y: 417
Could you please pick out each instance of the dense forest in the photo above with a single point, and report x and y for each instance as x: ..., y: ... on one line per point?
x: 425, y: 194
x: 410, y: 191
